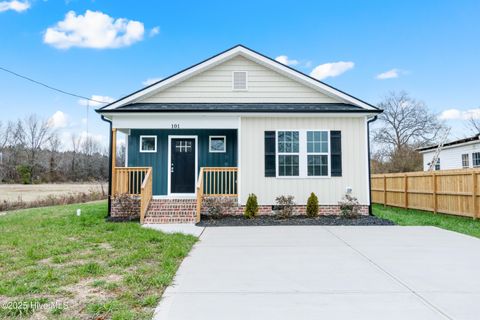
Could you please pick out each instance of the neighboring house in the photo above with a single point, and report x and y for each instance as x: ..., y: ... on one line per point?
x: 235, y: 124
x: 459, y: 154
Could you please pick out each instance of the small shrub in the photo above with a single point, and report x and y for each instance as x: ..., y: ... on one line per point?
x: 285, y: 206
x: 349, y: 207
x: 312, y: 206
x: 217, y: 206
x: 127, y: 203
x: 251, y: 208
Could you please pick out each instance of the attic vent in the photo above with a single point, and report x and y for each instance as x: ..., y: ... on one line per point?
x: 239, y: 80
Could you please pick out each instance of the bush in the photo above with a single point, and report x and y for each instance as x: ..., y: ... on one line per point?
x: 251, y: 208
x: 312, y: 206
x: 217, y: 206
x: 349, y: 206
x: 285, y: 206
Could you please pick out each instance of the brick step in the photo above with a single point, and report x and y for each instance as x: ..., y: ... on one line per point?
x: 170, y: 214
x: 166, y: 220
x: 173, y: 206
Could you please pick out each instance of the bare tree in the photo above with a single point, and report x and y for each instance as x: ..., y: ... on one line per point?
x: 54, y: 144
x: 474, y: 125
x: 404, y: 125
x: 35, y: 133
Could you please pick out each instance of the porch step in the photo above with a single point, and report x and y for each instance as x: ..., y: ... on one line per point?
x: 171, y: 211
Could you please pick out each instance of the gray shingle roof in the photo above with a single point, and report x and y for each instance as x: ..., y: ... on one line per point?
x: 241, y: 107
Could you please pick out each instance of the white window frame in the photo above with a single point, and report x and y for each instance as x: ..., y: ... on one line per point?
x: 473, y: 159
x: 217, y: 151
x: 140, y: 144
x: 302, y: 155
x: 233, y: 80
x: 278, y: 154
x: 318, y: 153
x: 465, y: 164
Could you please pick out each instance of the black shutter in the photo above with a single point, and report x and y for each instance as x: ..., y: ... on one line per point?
x: 336, y: 153
x: 270, y: 166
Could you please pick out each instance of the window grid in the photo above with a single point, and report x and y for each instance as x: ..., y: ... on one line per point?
x: 183, y: 146
x: 288, y: 145
x: 476, y: 159
x: 317, y: 153
x: 465, y: 160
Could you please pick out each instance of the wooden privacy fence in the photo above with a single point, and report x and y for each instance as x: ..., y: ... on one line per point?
x: 448, y: 191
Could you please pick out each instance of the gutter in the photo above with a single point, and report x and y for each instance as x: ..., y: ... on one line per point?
x: 369, y: 164
x: 109, y: 166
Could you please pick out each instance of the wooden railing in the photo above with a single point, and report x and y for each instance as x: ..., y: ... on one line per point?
x: 134, y: 181
x: 447, y: 191
x: 216, y: 182
x: 145, y: 194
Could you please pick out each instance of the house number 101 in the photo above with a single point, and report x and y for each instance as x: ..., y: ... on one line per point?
x: 175, y: 126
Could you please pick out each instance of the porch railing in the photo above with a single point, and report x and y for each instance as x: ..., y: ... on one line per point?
x: 134, y: 181
x: 216, y: 182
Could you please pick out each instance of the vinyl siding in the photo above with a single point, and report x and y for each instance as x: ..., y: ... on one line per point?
x: 159, y: 160
x: 215, y: 85
x: 451, y: 158
x: 328, y: 190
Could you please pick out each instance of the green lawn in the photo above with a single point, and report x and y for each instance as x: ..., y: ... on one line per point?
x: 54, y: 264
x: 423, y: 218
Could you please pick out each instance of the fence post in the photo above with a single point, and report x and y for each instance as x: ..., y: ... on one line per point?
x: 405, y: 177
x: 474, y: 195
x: 384, y: 190
x: 434, y: 177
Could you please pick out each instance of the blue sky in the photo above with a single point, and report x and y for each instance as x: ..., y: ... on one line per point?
x: 429, y: 48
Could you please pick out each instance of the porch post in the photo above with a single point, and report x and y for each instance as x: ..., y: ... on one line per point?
x: 114, y: 160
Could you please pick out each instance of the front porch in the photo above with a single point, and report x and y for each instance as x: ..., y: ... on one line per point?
x: 167, y: 182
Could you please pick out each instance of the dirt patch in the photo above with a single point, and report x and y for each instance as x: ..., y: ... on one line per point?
x: 15, y: 192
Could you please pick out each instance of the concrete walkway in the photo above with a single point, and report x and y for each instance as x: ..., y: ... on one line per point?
x: 304, y: 272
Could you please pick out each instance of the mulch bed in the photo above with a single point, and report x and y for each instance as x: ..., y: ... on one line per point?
x: 232, y: 221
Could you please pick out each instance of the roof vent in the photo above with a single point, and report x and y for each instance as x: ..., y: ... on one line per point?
x: 239, y: 80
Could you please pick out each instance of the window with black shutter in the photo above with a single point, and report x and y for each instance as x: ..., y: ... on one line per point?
x: 270, y: 165
x: 336, y: 153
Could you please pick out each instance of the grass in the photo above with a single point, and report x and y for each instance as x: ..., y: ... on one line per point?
x: 412, y: 217
x: 54, y: 264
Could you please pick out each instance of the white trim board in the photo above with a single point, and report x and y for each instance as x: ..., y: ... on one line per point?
x: 238, y: 50
x: 170, y: 137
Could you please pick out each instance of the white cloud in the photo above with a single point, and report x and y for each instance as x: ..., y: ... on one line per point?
x: 94, y: 29
x: 58, y: 120
x: 284, y: 60
x: 456, y: 114
x: 390, y: 74
x: 18, y: 6
x: 331, y: 69
x: 150, y: 81
x: 154, y: 31
x: 96, y: 103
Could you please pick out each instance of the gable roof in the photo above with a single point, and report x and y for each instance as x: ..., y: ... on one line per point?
x: 227, y: 55
x: 475, y: 138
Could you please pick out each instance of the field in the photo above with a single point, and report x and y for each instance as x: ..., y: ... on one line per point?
x: 54, y: 264
x: 15, y: 192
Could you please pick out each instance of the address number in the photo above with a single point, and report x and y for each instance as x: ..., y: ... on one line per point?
x: 175, y: 126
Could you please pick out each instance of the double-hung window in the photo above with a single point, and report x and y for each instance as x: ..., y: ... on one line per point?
x: 437, y: 164
x: 465, y: 160
x: 317, y: 153
x: 476, y: 159
x: 288, y: 147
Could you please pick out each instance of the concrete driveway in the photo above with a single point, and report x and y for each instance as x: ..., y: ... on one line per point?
x: 290, y: 272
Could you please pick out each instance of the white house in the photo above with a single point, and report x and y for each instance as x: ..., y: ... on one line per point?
x: 235, y: 124
x: 459, y: 154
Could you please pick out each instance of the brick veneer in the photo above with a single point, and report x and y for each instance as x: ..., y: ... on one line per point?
x: 298, y: 210
x: 184, y: 210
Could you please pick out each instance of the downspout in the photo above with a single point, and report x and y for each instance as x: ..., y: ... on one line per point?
x: 369, y: 165
x: 109, y: 167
